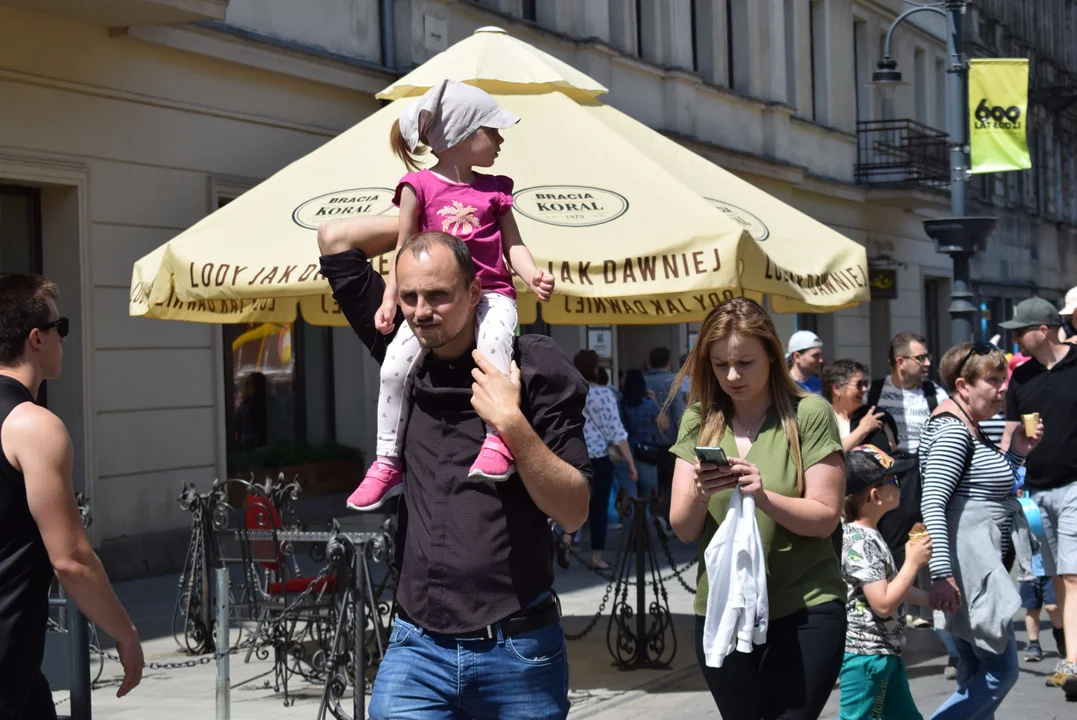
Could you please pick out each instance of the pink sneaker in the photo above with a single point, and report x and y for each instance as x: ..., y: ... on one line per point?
x: 381, y: 483
x: 494, y: 461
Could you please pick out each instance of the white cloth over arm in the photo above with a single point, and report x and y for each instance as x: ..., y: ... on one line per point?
x: 737, y: 606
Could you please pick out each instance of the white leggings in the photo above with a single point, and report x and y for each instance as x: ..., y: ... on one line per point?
x: 495, y: 330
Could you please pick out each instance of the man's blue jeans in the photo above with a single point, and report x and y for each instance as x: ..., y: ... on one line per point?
x: 428, y: 676
x: 983, y: 679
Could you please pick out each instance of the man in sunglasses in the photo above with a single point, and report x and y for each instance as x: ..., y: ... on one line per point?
x: 1047, y: 384
x: 907, y: 393
x: 41, y: 531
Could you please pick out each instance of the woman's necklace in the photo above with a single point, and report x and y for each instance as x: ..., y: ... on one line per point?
x: 751, y: 434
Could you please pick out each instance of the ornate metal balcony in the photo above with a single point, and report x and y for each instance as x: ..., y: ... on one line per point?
x: 901, y: 154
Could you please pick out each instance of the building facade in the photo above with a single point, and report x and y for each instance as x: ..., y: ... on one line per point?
x: 122, y: 122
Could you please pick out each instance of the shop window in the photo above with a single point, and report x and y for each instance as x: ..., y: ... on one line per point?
x: 279, y: 405
x: 280, y: 412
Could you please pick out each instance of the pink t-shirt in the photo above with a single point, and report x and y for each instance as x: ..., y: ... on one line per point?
x: 472, y: 213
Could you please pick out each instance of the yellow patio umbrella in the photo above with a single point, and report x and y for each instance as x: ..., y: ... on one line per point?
x: 625, y: 225
x: 499, y: 64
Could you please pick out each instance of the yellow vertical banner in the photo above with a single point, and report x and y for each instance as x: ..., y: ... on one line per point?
x: 998, y: 107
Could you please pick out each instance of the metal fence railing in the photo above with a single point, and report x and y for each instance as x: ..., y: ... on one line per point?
x: 901, y: 153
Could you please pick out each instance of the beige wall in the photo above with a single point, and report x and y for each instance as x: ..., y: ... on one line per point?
x: 345, y: 27
x: 155, y: 131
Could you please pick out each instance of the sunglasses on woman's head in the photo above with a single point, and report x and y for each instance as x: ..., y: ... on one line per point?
x: 978, y: 348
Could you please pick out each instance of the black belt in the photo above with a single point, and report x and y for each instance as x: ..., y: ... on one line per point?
x: 523, y: 621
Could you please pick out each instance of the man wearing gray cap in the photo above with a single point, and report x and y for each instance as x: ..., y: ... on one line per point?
x: 1046, y: 386
x: 805, y: 357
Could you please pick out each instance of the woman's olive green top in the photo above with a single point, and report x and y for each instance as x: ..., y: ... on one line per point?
x: 801, y: 571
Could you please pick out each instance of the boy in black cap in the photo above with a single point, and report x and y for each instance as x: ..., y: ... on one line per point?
x: 873, y: 672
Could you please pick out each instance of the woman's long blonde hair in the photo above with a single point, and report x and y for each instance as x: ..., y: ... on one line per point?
x: 744, y: 317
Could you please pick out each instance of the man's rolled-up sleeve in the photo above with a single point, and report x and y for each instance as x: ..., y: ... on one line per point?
x: 358, y: 290
x: 555, y: 395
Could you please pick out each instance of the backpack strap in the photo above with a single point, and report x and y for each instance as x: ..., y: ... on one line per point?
x: 931, y: 395
x: 972, y: 445
x: 876, y: 392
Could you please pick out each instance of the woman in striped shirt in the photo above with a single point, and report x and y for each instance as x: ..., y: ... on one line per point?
x: 967, y: 506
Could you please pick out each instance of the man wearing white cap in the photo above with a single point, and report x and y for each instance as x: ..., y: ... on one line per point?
x: 1068, y: 331
x: 805, y: 357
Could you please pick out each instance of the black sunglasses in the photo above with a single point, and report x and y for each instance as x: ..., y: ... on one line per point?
x: 63, y: 326
x: 978, y: 348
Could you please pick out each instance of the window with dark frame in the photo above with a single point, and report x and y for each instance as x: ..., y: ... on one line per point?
x: 817, y: 46
x: 639, y: 27
x: 20, y: 239
x: 730, y: 36
x: 694, y: 20
x: 933, y: 289
x: 279, y: 392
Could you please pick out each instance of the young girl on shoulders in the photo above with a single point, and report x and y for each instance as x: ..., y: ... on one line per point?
x: 459, y: 124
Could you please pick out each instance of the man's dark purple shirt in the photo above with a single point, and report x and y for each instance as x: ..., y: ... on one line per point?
x: 470, y: 552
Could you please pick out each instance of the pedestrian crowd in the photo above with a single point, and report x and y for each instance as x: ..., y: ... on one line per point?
x: 872, y: 504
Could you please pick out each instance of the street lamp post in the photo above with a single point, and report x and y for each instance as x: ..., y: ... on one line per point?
x: 958, y: 236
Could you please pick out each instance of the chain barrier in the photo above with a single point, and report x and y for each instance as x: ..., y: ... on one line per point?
x: 611, y: 581
x: 664, y: 542
x: 315, y: 584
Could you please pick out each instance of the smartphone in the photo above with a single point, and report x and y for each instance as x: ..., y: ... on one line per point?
x: 715, y: 455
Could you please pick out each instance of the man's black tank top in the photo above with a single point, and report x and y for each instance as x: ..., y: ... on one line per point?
x: 25, y: 570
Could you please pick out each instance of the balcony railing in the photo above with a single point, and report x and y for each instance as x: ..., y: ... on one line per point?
x: 902, y: 154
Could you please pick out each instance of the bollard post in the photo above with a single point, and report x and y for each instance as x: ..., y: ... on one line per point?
x: 221, y: 644
x: 78, y: 635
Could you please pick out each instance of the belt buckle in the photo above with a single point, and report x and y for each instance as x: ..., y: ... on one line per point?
x: 490, y: 634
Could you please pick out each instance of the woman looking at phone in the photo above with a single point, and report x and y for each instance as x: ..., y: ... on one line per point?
x: 783, y: 449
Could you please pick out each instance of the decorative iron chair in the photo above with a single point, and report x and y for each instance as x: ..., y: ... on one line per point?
x: 192, y: 618
x: 295, y: 615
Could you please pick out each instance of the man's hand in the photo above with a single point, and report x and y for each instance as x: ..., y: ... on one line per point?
x: 130, y: 652
x: 542, y: 284
x: 495, y: 396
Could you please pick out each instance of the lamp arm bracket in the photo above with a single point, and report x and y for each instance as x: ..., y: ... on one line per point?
x: 901, y: 18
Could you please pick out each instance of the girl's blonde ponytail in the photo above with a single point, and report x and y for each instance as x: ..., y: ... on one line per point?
x: 400, y: 148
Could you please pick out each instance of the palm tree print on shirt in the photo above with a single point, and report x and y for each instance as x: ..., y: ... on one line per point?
x: 459, y: 219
